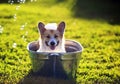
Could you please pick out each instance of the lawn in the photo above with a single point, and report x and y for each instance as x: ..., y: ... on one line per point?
x: 100, y: 60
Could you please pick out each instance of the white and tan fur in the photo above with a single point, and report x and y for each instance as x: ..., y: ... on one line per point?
x: 51, y: 37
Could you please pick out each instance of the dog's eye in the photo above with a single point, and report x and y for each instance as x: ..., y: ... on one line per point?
x: 56, y: 36
x: 48, y: 36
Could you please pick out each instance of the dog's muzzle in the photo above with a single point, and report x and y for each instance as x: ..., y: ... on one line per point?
x: 52, y: 44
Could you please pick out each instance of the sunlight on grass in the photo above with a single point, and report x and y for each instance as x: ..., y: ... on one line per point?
x: 100, y: 61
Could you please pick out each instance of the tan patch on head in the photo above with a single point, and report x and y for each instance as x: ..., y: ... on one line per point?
x: 51, y: 33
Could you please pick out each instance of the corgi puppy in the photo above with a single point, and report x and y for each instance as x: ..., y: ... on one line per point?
x: 51, y: 37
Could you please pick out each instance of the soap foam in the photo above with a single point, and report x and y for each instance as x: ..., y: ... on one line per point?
x: 51, y: 26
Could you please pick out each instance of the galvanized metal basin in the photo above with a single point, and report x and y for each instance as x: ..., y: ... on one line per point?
x: 57, y: 65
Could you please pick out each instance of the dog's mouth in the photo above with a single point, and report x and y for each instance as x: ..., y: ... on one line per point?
x: 52, y: 47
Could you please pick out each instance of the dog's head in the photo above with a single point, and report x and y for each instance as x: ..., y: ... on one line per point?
x: 50, y: 36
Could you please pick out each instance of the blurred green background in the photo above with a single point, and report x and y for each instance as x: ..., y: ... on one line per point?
x: 93, y: 23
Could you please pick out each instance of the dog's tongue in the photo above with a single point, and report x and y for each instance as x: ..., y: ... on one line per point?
x: 52, y: 47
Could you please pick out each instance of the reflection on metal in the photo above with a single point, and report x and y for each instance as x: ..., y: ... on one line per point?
x: 57, y: 65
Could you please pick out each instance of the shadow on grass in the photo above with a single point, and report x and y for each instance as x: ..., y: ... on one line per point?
x: 48, y: 73
x: 31, y: 78
x: 108, y: 10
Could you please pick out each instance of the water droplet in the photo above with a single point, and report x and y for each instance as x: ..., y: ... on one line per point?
x: 14, y: 45
x: 1, y: 29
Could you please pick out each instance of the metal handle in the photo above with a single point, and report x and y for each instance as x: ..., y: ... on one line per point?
x: 54, y: 54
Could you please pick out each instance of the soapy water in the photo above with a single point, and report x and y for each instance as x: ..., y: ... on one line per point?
x: 52, y: 26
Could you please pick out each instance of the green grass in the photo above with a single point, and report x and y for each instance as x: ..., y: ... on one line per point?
x: 100, y: 60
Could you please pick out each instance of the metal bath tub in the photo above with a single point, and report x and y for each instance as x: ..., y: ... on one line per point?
x: 57, y: 65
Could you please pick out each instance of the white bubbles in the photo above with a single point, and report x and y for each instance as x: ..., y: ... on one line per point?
x: 21, y: 1
x: 15, y: 17
x: 26, y: 33
x: 33, y: 0
x: 1, y: 29
x: 18, y: 1
x: 14, y: 45
x: 23, y: 26
x: 50, y: 26
x: 17, y: 7
x: 10, y: 1
x: 24, y: 37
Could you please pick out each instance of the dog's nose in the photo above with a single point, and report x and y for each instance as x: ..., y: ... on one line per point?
x: 52, y: 43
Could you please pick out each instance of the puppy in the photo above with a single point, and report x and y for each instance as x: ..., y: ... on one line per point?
x: 51, y: 37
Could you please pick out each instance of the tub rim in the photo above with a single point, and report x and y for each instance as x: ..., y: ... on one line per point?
x: 56, y: 53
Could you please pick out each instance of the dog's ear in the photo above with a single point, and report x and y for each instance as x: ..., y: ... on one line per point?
x: 41, y: 27
x: 61, y: 27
